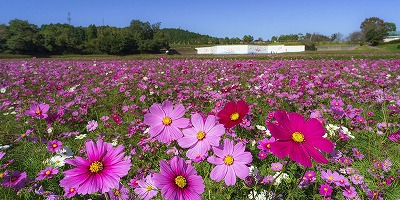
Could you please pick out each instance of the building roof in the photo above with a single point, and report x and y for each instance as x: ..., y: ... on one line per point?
x: 393, y: 33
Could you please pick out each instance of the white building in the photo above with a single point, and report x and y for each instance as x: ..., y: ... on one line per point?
x: 249, y: 49
x: 392, y: 35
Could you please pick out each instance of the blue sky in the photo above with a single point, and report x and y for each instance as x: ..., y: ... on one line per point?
x: 219, y: 18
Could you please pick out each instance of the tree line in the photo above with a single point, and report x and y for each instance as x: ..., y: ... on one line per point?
x: 139, y: 37
x: 22, y: 37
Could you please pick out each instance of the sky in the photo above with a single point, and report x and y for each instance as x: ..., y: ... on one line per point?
x: 217, y: 18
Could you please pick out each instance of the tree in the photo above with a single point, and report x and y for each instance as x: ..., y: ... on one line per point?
x: 355, y: 37
x: 374, y: 30
x: 337, y: 37
x: 22, y: 36
x: 3, y: 37
x: 247, y: 39
x: 390, y: 26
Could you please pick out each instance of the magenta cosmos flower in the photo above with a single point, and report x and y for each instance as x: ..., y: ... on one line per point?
x: 101, y: 172
x: 233, y: 113
x: 165, y: 121
x: 46, y: 173
x: 201, y: 136
x: 231, y: 161
x: 38, y: 111
x: 178, y: 180
x: 298, y: 138
x: 54, y: 145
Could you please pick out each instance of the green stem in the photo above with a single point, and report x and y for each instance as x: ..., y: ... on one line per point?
x: 280, y: 173
x: 297, y: 184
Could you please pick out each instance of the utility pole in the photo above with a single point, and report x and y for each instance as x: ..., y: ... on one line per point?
x: 69, y: 18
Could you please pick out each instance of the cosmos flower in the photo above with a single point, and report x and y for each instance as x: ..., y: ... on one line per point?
x: 119, y: 193
x: 201, y: 136
x: 233, y: 113
x: 330, y: 177
x: 69, y: 192
x: 54, y: 145
x: 178, y: 180
x: 265, y: 144
x: 38, y: 111
x: 15, y: 180
x: 91, y: 125
x: 46, y: 173
x: 325, y: 190
x: 349, y: 192
x: 276, y: 166
x: 2, y: 154
x: 231, y: 161
x: 298, y: 138
x: 101, y: 172
x: 165, y: 121
x: 146, y: 189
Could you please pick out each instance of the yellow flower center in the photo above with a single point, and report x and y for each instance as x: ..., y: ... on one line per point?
x: 180, y: 181
x: 71, y: 190
x: 96, y: 167
x: 298, y: 137
x: 235, y: 116
x: 325, y: 189
x: 54, y: 145
x: 38, y: 112
x: 268, y: 146
x: 47, y: 172
x: 148, y: 188
x: 117, y: 193
x: 228, y: 160
x: 13, y: 179
x: 167, y: 121
x: 1, y: 175
x: 330, y: 178
x: 201, y: 135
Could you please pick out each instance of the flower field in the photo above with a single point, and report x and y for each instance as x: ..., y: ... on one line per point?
x: 200, y: 129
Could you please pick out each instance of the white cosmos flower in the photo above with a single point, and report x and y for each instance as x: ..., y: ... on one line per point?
x: 114, y: 142
x: 278, y: 180
x: 261, y: 128
x: 80, y: 136
x: 56, y: 161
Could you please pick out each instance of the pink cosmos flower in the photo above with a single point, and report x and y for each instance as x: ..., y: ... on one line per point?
x: 231, y: 161
x: 2, y: 154
x: 54, y: 145
x: 46, y: 173
x: 349, y: 192
x: 201, y: 136
x: 298, y: 138
x: 38, y: 111
x: 101, y: 172
x: 69, y: 192
x: 276, y: 166
x: 265, y: 144
x: 119, y: 193
x: 178, y: 180
x: 165, y: 121
x: 146, y: 189
x: 330, y: 177
x: 92, y: 125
